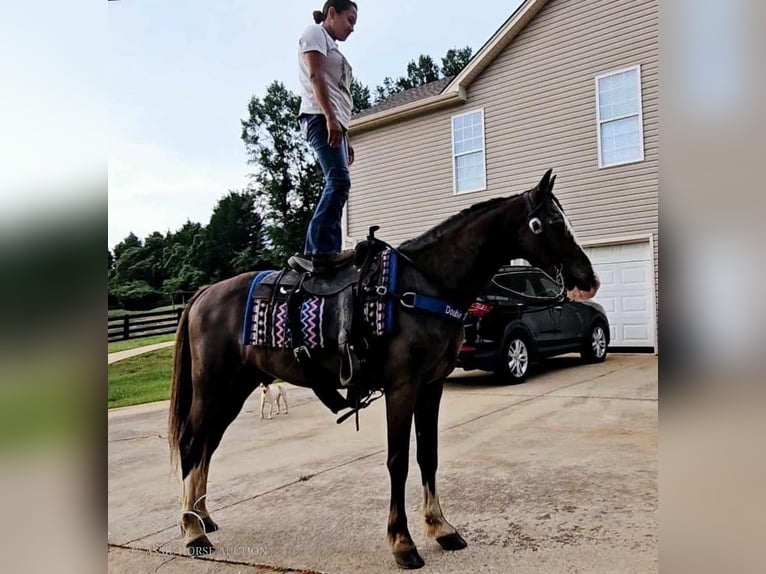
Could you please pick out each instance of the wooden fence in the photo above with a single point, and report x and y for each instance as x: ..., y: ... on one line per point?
x: 143, y: 324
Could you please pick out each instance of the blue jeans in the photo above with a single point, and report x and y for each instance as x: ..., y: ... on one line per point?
x: 324, y: 233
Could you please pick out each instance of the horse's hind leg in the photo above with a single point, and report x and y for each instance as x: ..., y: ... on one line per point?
x: 211, y: 413
x: 400, y: 404
x: 426, y: 429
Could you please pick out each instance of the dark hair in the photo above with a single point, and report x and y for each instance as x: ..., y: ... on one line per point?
x: 339, y: 5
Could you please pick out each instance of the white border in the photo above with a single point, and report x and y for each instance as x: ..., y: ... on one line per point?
x: 640, y: 117
x: 453, y: 156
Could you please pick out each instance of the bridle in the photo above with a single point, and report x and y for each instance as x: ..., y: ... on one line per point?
x: 535, y: 223
x: 536, y: 227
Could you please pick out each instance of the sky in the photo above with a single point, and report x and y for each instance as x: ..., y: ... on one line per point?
x: 181, y: 73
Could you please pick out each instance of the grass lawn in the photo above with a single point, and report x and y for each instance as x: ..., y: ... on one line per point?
x: 119, y: 312
x: 135, y: 343
x: 140, y: 379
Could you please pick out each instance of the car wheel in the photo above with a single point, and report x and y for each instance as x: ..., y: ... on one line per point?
x: 594, y: 347
x: 515, y: 360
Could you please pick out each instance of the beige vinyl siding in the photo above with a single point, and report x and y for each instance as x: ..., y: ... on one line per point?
x: 539, y: 100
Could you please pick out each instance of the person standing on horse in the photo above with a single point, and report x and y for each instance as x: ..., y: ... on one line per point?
x: 325, y: 112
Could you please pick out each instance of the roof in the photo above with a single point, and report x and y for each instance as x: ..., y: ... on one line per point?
x: 452, y: 92
x: 407, y: 96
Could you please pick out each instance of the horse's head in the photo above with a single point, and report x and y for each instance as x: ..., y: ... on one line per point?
x: 548, y: 241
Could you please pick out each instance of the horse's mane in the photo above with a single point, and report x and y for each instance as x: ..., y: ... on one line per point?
x: 437, y: 232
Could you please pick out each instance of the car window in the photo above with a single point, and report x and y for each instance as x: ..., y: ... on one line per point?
x: 548, y: 287
x: 515, y: 282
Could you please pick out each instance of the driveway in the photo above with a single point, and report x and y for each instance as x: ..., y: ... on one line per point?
x: 557, y: 475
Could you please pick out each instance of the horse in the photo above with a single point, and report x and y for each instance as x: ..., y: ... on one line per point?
x: 214, y: 371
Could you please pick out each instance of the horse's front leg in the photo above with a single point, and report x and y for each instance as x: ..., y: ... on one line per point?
x: 426, y: 431
x: 400, y: 405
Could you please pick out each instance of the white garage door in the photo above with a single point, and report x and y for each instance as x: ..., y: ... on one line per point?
x: 626, y: 273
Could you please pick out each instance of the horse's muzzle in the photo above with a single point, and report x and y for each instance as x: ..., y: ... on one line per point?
x: 579, y: 294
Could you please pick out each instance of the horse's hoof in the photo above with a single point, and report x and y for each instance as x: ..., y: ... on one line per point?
x: 210, y: 525
x: 409, y: 559
x: 200, y: 546
x: 452, y: 542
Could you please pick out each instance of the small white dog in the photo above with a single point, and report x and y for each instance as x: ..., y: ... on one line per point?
x: 272, y: 394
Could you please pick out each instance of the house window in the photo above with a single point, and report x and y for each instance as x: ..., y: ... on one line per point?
x: 620, y: 122
x: 468, y: 158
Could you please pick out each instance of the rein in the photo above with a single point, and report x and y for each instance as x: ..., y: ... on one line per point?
x: 450, y: 310
x: 550, y: 302
x: 441, y: 307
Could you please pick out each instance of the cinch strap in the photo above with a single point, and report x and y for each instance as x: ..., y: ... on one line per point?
x: 433, y: 305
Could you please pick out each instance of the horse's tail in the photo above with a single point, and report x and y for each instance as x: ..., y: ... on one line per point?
x: 181, y: 388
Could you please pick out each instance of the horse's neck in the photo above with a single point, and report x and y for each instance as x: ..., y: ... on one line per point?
x: 463, y: 259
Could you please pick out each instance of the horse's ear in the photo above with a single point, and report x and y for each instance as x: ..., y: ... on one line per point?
x: 545, y: 183
x: 550, y: 185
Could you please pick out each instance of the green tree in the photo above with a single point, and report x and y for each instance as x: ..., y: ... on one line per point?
x: 388, y: 88
x: 455, y: 60
x: 130, y: 241
x: 153, y: 253
x: 287, y: 179
x: 422, y: 71
x: 232, y: 242
x: 184, y: 259
x: 360, y: 95
x: 130, y: 283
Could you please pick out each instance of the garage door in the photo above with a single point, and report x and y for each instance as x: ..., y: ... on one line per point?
x: 626, y: 273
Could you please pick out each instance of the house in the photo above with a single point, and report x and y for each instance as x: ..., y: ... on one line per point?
x: 565, y: 84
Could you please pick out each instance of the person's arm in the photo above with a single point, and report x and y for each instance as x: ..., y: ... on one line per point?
x: 316, y: 63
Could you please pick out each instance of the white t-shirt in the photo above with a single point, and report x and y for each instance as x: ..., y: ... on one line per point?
x: 337, y: 73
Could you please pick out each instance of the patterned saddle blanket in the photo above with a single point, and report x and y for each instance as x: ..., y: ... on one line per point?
x: 325, y: 311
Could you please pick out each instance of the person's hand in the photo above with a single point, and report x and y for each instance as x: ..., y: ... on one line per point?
x: 334, y: 132
x: 350, y: 155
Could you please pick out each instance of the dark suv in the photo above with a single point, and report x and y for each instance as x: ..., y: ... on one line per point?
x: 523, y: 317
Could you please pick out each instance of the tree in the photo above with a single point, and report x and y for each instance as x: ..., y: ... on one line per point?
x: 288, y: 179
x: 419, y: 72
x: 232, y: 242
x: 387, y: 89
x: 422, y: 71
x: 455, y: 60
x: 184, y: 257
x: 110, y: 259
x: 153, y: 254
x: 130, y: 241
x: 360, y: 94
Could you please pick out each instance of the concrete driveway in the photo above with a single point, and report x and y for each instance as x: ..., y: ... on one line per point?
x: 558, y: 474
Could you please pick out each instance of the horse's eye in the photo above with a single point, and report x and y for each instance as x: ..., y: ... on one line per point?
x: 536, y: 226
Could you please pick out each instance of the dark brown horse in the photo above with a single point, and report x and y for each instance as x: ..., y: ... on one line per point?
x: 214, y: 372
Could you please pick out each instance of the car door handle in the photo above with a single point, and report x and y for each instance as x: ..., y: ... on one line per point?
x: 558, y: 307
